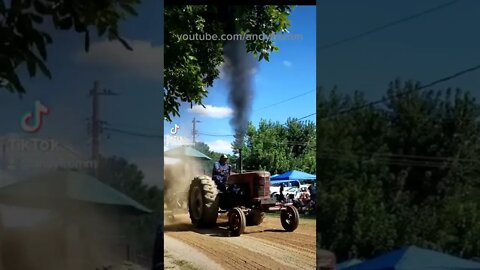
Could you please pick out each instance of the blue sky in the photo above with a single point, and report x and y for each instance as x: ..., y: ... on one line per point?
x: 137, y: 75
x: 427, y: 48
x: 290, y: 72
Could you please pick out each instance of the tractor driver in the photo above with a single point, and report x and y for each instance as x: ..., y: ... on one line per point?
x: 221, y: 171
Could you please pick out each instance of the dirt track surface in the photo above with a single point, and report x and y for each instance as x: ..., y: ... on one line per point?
x: 266, y: 246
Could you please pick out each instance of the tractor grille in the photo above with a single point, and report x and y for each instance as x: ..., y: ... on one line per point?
x: 261, y: 187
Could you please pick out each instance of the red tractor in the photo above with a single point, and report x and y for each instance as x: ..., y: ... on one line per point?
x: 246, y: 200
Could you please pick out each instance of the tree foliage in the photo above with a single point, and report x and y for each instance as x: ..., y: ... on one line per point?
x: 274, y: 147
x: 402, y: 173
x: 191, y: 66
x: 128, y: 179
x: 208, y: 165
x: 278, y: 147
x: 24, y: 40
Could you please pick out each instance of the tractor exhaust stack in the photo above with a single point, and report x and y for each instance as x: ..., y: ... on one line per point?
x: 240, y: 160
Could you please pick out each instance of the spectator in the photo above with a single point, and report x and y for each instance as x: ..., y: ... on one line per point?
x: 313, y: 192
x: 281, y: 193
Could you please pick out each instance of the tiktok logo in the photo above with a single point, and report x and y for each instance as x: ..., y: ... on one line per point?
x: 33, y: 121
x: 175, y: 129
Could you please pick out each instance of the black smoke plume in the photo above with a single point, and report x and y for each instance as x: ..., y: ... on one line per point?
x: 239, y: 66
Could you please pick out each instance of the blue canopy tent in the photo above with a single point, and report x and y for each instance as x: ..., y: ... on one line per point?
x: 286, y: 183
x: 415, y: 258
x: 294, y: 175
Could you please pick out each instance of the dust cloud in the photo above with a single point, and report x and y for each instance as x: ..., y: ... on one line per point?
x: 67, y: 237
x: 41, y: 229
x: 177, y: 179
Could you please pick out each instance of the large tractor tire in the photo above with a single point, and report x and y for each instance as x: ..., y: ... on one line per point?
x: 255, y: 217
x: 203, y: 202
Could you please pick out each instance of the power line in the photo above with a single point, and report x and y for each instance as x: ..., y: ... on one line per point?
x: 303, y: 117
x: 130, y: 126
x: 307, y: 116
x: 216, y: 135
x: 284, y: 101
x: 396, y: 159
x: 132, y: 133
x: 383, y: 27
x: 458, y: 74
x: 378, y: 155
x: 231, y: 135
x: 423, y: 164
x: 71, y: 150
x: 408, y: 163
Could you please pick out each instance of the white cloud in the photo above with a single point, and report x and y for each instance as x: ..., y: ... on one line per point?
x: 144, y: 61
x: 287, y: 63
x: 212, y: 111
x: 221, y: 146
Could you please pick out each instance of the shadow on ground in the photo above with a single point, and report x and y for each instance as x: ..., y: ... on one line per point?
x: 220, y: 230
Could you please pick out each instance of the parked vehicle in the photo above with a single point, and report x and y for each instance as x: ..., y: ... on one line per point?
x: 275, y: 186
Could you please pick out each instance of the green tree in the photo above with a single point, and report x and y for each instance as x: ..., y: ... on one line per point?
x: 273, y: 147
x: 404, y: 173
x: 191, y: 66
x: 277, y: 147
x: 352, y: 217
x: 208, y: 165
x: 128, y: 179
x: 23, y: 40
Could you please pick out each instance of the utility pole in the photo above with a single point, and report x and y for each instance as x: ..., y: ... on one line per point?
x: 194, y: 131
x: 96, y: 123
x: 4, y: 154
x: 4, y: 169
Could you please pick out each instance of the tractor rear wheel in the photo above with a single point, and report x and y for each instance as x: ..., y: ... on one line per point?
x: 203, y: 202
x: 255, y: 217
x: 236, y: 221
x: 289, y: 218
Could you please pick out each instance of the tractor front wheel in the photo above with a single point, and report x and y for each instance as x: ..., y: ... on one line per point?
x: 290, y: 218
x: 237, y: 221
